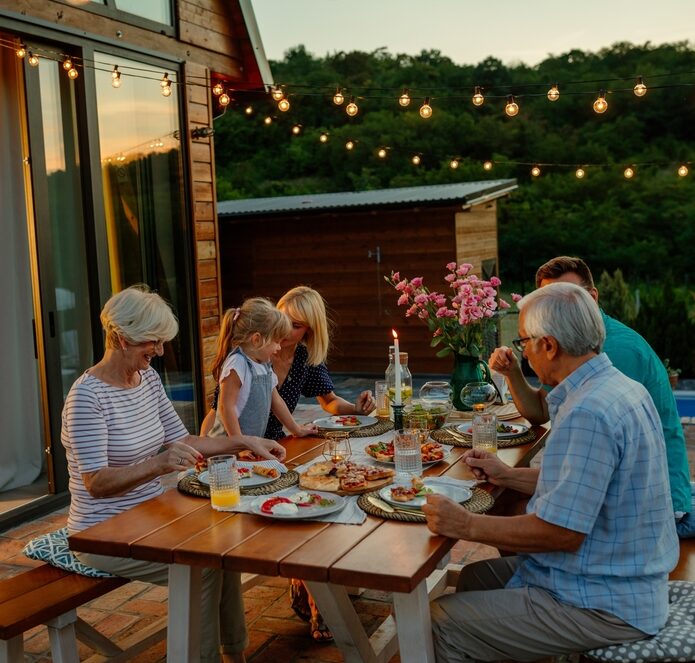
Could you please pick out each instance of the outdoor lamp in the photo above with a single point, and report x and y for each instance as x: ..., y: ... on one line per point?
x: 224, y: 98
x: 21, y: 52
x: 535, y: 171
x: 426, y: 109
x: 629, y: 173
x: 512, y: 108
x: 115, y: 77
x: 73, y: 73
x: 478, y: 98
x: 454, y: 164
x: 579, y: 173
x: 277, y: 94
x: 217, y: 89
x: 683, y: 170
x: 487, y: 165
x: 350, y: 145
x: 404, y: 99
x: 381, y: 153
x: 554, y: 93
x: 33, y: 59
x: 323, y: 137
x: 351, y: 109
x: 338, y: 97
x: 67, y: 64
x: 416, y: 160
x: 601, y: 105
x: 640, y: 88
x: 284, y: 105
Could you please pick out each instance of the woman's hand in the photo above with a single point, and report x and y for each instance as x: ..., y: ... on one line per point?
x: 260, y: 446
x: 365, y: 403
x: 305, y: 430
x: 178, y: 456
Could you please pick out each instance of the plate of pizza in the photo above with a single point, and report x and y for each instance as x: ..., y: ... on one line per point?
x: 345, y: 478
x: 504, y: 431
x: 432, y: 452
x: 298, y: 505
x: 250, y: 474
x: 345, y: 422
x: 413, y: 494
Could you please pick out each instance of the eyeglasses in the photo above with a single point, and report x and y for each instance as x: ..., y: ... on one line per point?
x: 520, y: 343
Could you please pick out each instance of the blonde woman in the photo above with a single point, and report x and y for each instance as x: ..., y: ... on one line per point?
x: 121, y: 433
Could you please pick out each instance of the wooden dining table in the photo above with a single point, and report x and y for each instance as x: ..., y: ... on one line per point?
x: 397, y: 557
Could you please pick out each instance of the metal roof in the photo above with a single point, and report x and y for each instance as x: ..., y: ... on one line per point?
x: 466, y: 193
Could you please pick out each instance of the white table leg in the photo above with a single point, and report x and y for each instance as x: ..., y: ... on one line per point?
x: 183, y: 630
x: 414, y: 625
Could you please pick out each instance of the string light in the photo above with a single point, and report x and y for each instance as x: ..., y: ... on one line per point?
x: 224, y: 99
x: 67, y: 64
x: 277, y: 93
x: 426, y: 109
x: 284, y: 104
x: 217, y: 89
x: 21, y: 52
x: 165, y: 84
x: 73, y: 73
x: 338, y: 97
x: 323, y: 138
x: 248, y: 110
x: 512, y: 108
x: 381, y: 153
x: 579, y: 173
x: 629, y: 173
x: 478, y: 98
x: 350, y: 145
x: 416, y: 160
x: 535, y: 171
x: 297, y: 129
x: 640, y: 88
x: 487, y: 165
x: 454, y: 164
x: 601, y: 105
x: 351, y: 109
x: 33, y: 59
x: 404, y: 99
x: 115, y: 77
x: 682, y: 170
x: 554, y: 93
x: 267, y: 120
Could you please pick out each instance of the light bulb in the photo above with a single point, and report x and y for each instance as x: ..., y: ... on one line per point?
x: 116, y: 80
x: 248, y: 110
x: 426, y: 109
x: 454, y: 164
x: 277, y: 93
x: 416, y: 160
x: 67, y: 64
x: 535, y: 171
x: 166, y: 91
x: 629, y: 173
x: 478, y: 98
x: 73, y: 73
x: 350, y: 145
x: 165, y: 82
x: 683, y: 170
x: 487, y: 165
x: 296, y: 129
x: 404, y: 99
x: 553, y: 93
x: 323, y: 137
x: 640, y: 88
x: 512, y: 108
x: 217, y: 89
x: 224, y: 99
x: 21, y: 52
x: 267, y: 120
x: 284, y: 105
x: 338, y: 98
x: 33, y: 59
x: 381, y: 153
x: 579, y: 173
x: 351, y: 109
x: 601, y: 105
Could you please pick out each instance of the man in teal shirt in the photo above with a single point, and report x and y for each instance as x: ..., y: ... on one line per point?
x: 631, y: 355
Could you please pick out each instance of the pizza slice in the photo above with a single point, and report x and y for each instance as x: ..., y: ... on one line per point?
x: 264, y: 471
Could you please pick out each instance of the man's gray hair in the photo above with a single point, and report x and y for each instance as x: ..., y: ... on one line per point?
x: 566, y: 312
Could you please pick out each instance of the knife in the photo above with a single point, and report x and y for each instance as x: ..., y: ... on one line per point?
x: 384, y: 506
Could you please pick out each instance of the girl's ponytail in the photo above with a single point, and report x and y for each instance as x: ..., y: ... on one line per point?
x: 224, y: 340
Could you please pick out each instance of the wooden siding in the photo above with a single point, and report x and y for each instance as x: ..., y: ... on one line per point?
x: 476, y: 235
x: 330, y: 252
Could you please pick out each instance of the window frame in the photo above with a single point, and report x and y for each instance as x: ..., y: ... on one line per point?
x: 110, y: 10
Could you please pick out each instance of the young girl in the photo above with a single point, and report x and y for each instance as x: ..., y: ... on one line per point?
x: 249, y: 337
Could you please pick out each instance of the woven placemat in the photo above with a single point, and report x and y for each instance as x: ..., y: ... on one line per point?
x: 462, y: 440
x: 503, y: 413
x: 480, y: 502
x: 190, y: 485
x: 380, y: 427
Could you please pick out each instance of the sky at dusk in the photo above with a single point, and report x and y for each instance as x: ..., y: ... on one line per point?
x: 469, y: 31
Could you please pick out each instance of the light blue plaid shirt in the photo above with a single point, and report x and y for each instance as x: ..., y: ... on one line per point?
x: 604, y: 474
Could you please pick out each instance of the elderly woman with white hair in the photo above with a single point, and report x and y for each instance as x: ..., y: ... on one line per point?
x: 121, y: 434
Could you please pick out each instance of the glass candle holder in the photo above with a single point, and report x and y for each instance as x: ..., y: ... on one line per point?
x: 336, y: 447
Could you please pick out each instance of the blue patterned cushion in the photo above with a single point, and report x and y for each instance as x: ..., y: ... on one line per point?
x: 674, y: 642
x: 53, y: 548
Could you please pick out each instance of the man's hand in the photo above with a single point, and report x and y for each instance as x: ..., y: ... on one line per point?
x: 365, y: 403
x: 265, y: 448
x: 486, y: 466
x: 504, y: 361
x: 446, y: 517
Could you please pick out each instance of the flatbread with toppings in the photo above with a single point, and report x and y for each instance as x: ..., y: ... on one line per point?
x: 345, y: 477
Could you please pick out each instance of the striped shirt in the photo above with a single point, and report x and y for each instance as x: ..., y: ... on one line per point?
x: 108, y: 426
x: 604, y: 474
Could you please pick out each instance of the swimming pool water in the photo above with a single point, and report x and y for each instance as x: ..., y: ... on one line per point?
x: 685, y: 401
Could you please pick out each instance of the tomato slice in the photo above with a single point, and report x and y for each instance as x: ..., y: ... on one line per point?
x: 267, y: 506
x: 313, y: 499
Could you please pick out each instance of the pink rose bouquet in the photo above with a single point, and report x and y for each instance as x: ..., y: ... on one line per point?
x: 458, y: 320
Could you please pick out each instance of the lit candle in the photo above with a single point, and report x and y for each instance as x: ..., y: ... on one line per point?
x: 397, y: 358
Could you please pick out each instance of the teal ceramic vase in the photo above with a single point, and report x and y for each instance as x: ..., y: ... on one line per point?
x: 467, y: 369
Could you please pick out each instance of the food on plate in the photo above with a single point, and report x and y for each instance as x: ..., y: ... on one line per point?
x: 344, y: 476
x: 280, y: 506
x: 243, y: 472
x: 304, y: 499
x: 505, y: 428
x: 431, y: 451
x: 403, y: 493
x: 383, y: 451
x: 264, y: 471
x: 201, y: 465
x: 247, y: 454
x: 347, y: 420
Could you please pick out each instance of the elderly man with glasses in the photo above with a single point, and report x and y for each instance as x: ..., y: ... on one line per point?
x: 630, y: 354
x: 597, y: 542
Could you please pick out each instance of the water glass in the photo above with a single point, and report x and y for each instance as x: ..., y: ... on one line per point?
x: 336, y: 448
x: 381, y: 394
x: 407, y: 455
x: 224, y: 482
x: 485, y: 431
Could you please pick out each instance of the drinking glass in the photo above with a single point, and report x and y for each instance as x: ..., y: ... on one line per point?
x: 336, y: 448
x: 485, y: 431
x: 418, y: 421
x: 224, y: 482
x: 407, y: 455
x: 381, y: 394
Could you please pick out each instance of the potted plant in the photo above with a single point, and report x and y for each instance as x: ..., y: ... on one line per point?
x: 673, y: 373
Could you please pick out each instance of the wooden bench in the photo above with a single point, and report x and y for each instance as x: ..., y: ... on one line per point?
x: 685, y: 570
x: 48, y: 595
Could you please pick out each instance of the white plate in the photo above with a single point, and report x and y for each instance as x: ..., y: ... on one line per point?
x: 457, y: 493
x: 333, y: 424
x: 314, y: 511
x: 518, y: 430
x: 245, y: 482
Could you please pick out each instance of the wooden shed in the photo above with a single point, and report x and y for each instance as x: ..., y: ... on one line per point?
x: 343, y: 244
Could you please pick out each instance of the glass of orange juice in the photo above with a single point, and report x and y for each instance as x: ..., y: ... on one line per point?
x: 224, y: 482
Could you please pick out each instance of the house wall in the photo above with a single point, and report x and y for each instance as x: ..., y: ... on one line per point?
x: 476, y: 235
x: 331, y: 252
